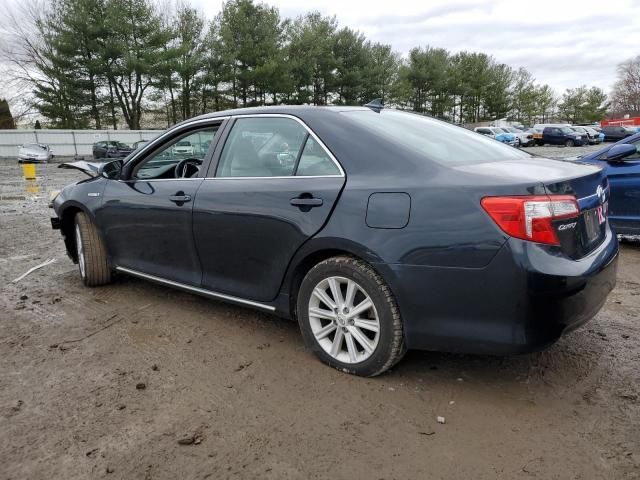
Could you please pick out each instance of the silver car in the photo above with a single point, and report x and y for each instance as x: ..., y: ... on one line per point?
x: 35, y: 152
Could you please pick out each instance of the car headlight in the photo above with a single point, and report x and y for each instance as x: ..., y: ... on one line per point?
x: 52, y: 196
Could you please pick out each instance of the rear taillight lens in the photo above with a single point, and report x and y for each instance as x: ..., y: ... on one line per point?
x: 531, y: 217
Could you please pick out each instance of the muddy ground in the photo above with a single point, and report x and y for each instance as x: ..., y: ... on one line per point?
x: 108, y: 382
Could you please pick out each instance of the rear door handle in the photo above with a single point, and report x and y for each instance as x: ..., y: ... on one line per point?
x: 306, y: 202
x: 180, y: 197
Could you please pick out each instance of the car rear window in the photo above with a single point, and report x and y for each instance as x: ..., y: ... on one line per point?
x: 437, y: 140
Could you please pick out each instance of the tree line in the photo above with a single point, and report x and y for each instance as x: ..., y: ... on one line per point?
x: 102, y: 63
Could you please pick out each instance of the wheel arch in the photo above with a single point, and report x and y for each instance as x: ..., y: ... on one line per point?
x: 315, y: 252
x: 67, y: 217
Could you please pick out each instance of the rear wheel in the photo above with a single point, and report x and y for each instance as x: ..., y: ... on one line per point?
x: 92, y: 256
x: 349, y: 317
x: 569, y: 143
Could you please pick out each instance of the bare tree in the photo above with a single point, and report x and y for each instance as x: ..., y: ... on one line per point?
x: 22, y: 56
x: 626, y: 90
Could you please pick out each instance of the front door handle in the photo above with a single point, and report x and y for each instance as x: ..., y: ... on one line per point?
x: 180, y: 198
x: 306, y: 202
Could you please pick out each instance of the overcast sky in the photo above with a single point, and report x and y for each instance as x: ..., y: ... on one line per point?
x: 565, y: 43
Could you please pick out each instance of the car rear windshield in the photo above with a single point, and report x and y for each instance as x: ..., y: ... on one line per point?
x: 438, y: 141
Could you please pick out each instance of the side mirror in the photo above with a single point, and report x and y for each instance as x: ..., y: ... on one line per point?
x: 618, y: 152
x: 111, y: 170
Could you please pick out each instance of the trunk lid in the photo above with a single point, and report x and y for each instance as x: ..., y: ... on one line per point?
x: 578, y: 237
x: 588, y: 183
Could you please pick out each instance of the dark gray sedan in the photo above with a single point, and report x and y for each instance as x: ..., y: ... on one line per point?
x: 376, y: 230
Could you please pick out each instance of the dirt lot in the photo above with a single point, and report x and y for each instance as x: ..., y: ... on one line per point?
x: 107, y: 382
x: 553, y: 151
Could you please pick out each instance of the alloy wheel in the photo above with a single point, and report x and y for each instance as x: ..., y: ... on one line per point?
x: 344, y: 320
x: 80, y: 252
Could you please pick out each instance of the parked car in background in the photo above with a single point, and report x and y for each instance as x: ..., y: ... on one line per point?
x: 111, y: 149
x: 35, y: 153
x: 138, y: 144
x: 523, y: 139
x: 563, y: 136
x: 592, y: 136
x: 536, y: 133
x: 298, y: 211
x: 621, y: 163
x: 183, y: 148
x: 614, y: 133
x: 497, y: 134
x: 597, y: 134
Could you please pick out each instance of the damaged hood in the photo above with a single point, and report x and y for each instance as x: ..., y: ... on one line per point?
x: 90, y: 168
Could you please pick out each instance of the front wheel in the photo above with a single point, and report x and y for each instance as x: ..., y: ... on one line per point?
x: 92, y: 256
x: 349, y: 317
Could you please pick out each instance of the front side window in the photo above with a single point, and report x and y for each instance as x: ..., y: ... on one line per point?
x: 189, y: 148
x: 272, y: 147
x: 635, y: 156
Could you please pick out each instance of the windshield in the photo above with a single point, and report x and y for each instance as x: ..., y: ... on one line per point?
x: 34, y: 146
x: 513, y: 130
x: 438, y: 141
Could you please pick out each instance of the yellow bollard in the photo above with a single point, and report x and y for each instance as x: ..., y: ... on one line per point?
x: 29, y: 171
x: 32, y: 188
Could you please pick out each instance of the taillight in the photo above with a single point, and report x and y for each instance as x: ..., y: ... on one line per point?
x: 530, y: 217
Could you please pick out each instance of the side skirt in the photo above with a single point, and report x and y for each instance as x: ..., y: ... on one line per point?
x: 199, y: 291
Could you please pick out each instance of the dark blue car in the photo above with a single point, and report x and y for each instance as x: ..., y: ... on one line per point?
x: 376, y: 230
x: 621, y: 163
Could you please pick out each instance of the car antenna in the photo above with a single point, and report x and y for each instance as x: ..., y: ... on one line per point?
x: 376, y: 105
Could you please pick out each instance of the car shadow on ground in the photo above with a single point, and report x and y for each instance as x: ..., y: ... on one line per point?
x: 571, y: 356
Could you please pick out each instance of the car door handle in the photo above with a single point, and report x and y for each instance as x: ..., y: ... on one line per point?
x: 306, y: 202
x: 180, y: 197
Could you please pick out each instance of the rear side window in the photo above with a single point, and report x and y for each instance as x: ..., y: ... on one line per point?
x: 314, y: 161
x: 438, y: 141
x: 273, y: 147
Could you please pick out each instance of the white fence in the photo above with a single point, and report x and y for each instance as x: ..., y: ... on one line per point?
x: 67, y: 143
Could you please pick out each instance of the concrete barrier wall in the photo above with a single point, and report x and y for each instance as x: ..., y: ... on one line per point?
x: 67, y: 143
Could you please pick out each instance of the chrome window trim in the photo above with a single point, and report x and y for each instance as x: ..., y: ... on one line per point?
x: 309, y: 131
x: 275, y: 178
x: 201, y: 291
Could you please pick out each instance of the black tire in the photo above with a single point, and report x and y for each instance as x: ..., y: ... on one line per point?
x: 569, y: 143
x: 390, y: 346
x: 92, y: 256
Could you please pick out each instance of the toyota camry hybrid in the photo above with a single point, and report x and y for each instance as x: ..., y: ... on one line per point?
x: 376, y: 230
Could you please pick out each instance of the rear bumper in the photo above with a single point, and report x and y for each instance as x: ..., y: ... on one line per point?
x: 523, y: 301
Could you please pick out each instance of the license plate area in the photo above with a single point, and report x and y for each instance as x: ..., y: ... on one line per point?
x: 593, y: 221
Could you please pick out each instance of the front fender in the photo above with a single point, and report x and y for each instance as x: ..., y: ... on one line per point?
x: 84, y: 197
